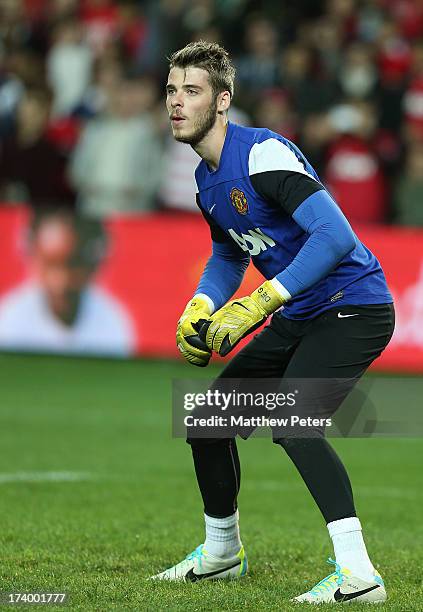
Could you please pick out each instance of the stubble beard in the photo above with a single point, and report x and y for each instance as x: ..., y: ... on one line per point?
x: 202, y: 126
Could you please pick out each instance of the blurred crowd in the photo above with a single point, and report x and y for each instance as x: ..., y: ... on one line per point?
x: 83, y: 122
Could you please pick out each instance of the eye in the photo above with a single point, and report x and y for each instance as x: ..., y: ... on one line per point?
x: 192, y: 92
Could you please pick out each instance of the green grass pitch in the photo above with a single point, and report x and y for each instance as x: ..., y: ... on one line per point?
x: 95, y: 496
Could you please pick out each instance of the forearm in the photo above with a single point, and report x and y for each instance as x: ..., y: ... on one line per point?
x: 223, y: 274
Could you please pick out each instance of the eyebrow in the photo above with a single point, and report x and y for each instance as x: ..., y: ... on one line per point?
x: 185, y: 86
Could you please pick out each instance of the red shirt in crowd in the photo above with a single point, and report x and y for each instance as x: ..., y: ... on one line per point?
x: 354, y: 177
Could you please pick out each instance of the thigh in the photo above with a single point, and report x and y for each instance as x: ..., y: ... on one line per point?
x: 343, y: 342
x: 334, y: 353
x: 267, y: 355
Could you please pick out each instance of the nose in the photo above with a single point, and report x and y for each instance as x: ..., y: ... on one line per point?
x: 176, y: 100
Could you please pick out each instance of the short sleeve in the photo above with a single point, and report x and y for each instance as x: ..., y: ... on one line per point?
x: 279, y: 175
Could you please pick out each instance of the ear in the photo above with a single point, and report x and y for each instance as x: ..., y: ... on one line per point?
x: 223, y: 102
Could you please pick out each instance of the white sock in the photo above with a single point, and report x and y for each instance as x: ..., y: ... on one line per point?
x: 349, y: 547
x: 222, y: 535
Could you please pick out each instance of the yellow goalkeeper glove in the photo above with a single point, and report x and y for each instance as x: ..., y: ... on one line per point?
x: 227, y: 326
x: 188, y: 341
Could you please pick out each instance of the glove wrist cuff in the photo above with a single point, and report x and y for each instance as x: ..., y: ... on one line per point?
x: 268, y: 298
x: 205, y: 298
x: 198, y: 302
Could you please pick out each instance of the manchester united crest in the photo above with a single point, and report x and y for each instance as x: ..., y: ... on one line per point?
x: 239, y: 200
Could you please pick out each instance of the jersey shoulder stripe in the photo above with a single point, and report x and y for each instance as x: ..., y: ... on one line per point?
x: 273, y: 154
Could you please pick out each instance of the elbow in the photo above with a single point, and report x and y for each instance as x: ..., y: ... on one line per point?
x: 340, y: 240
x: 347, y: 243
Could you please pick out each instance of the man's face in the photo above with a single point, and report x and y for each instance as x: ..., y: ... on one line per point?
x: 60, y: 268
x: 33, y: 115
x: 191, y: 105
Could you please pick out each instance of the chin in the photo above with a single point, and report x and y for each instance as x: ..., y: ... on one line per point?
x: 181, y: 137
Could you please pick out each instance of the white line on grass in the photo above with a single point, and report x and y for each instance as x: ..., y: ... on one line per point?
x: 6, y: 478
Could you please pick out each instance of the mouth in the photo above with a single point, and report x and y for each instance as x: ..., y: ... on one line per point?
x: 177, y: 120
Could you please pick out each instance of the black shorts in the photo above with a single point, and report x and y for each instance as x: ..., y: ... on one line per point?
x: 340, y: 344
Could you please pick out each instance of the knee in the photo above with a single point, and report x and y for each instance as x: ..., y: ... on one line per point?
x: 202, y: 442
x: 286, y: 443
x: 291, y: 444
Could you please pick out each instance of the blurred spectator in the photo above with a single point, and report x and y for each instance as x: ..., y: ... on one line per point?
x: 132, y: 28
x: 413, y: 109
x: 369, y: 20
x: 413, y: 97
x: 408, y: 14
x: 295, y: 66
x: 309, y: 93
x: 100, y: 21
x: 210, y: 34
x: 27, y: 66
x: 60, y: 9
x: 394, y: 53
x: 166, y: 32
x: 31, y: 168
x: 116, y: 167
x: 353, y: 172
x: 416, y: 67
x: 257, y: 68
x: 358, y: 76
x: 394, y: 59
x: 59, y: 308
x: 317, y: 132
x: 11, y: 90
x: 274, y: 111
x: 408, y: 197
x: 199, y: 15
x: 107, y: 77
x: 13, y: 30
x: 327, y: 39
x: 344, y: 12
x: 69, y: 65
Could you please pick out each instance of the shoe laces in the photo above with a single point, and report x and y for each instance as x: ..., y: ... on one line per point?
x: 327, y: 583
x: 196, y: 554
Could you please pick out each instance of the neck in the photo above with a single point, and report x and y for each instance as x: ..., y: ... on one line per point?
x: 67, y: 314
x: 210, y: 148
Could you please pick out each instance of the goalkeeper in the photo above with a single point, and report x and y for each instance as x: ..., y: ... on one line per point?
x: 333, y: 313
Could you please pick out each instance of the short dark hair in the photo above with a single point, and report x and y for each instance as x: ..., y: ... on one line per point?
x: 211, y: 57
x: 42, y: 95
x: 90, y: 232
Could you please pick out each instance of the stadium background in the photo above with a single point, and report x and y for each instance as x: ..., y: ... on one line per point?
x: 91, y: 483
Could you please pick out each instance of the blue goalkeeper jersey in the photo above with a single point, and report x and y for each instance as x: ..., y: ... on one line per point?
x: 266, y: 202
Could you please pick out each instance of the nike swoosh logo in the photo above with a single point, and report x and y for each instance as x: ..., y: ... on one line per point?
x: 211, y: 208
x: 341, y: 316
x: 339, y: 596
x: 191, y: 577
